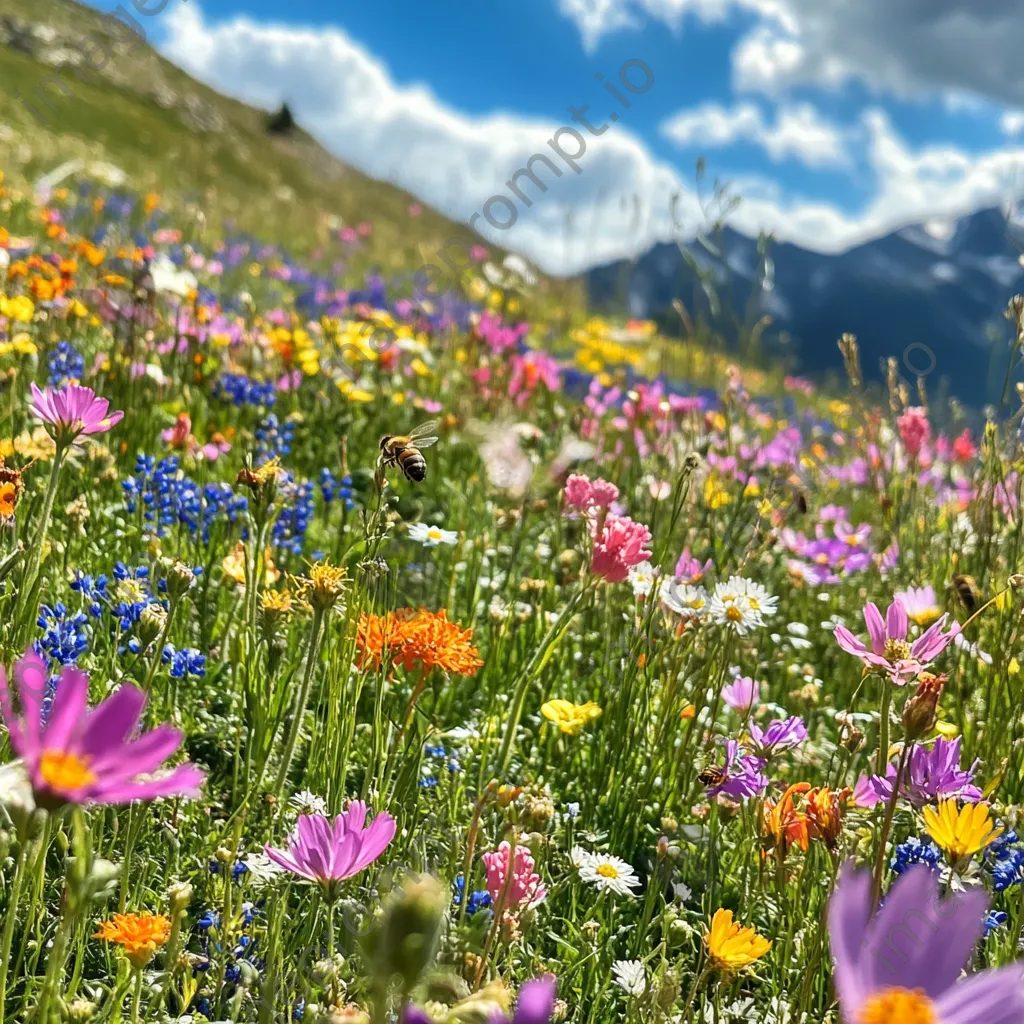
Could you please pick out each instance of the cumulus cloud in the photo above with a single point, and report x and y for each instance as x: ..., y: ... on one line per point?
x: 798, y: 132
x: 623, y: 200
x: 912, y: 48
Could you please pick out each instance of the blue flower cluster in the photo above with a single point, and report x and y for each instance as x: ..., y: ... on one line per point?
x: 66, y: 364
x: 298, y: 508
x: 185, y: 662
x: 274, y: 438
x: 994, y: 919
x: 93, y: 590
x: 333, y: 489
x: 242, y: 390
x: 915, y: 851
x: 241, y: 954
x: 65, y: 638
x: 438, y: 753
x: 479, y: 900
x: 1005, y: 859
x: 168, y: 497
x: 132, y: 593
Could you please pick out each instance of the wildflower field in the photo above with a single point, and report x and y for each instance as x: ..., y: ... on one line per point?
x: 636, y: 686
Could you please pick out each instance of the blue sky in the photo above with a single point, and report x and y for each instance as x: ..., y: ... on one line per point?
x: 835, y: 121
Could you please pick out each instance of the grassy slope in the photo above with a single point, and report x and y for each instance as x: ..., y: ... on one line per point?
x: 238, y: 173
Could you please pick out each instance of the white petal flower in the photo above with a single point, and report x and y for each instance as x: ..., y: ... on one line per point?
x: 609, y: 874
x: 431, y: 536
x: 630, y: 976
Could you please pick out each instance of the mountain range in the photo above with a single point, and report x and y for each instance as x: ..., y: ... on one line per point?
x: 932, y: 295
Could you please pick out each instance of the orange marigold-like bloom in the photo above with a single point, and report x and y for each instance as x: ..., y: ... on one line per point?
x: 783, y: 825
x: 140, y: 935
x: 410, y: 638
x: 824, y: 809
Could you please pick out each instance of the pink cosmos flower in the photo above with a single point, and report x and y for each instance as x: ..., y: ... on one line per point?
x: 742, y: 694
x: 77, y: 755
x: 915, y: 431
x: 72, y: 411
x: 689, y: 569
x: 583, y: 493
x: 327, y: 853
x: 890, y: 650
x: 526, y: 889
x: 618, y: 547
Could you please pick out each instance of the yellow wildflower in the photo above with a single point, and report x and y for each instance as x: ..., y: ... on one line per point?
x: 569, y: 717
x: 963, y: 831
x: 732, y: 946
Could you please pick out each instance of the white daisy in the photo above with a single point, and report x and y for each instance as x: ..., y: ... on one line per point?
x: 642, y: 579
x: 262, y: 870
x: 630, y: 976
x: 740, y: 604
x: 431, y: 536
x: 608, y: 873
x: 686, y: 601
x: 306, y: 802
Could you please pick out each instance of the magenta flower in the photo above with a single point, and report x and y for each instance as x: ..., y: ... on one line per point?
x: 526, y: 888
x: 618, y: 547
x: 915, y: 431
x: 74, y: 755
x: 890, y: 649
x: 72, y: 411
x: 904, y: 962
x: 327, y: 853
x: 742, y: 694
x: 689, y: 569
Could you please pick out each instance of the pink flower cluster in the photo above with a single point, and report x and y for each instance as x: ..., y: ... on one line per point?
x: 526, y: 889
x: 915, y: 430
x: 583, y: 493
x: 619, y: 544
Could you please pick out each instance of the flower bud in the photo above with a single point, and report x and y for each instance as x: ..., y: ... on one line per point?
x: 919, y: 712
x: 180, y: 896
x: 406, y: 938
x: 151, y: 623
x: 180, y: 580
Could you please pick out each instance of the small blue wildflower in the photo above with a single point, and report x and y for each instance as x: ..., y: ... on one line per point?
x: 64, y: 639
x: 914, y: 851
x: 65, y: 364
x: 242, y: 390
x: 184, y: 662
x: 93, y: 591
x: 993, y: 920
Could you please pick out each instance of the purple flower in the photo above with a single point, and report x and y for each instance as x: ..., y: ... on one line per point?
x: 780, y: 735
x: 77, y: 755
x: 904, y: 963
x: 329, y: 853
x: 73, y: 411
x: 742, y: 775
x: 742, y: 694
x: 890, y: 650
x: 933, y: 773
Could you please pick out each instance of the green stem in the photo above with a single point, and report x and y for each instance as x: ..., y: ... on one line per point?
x: 10, y: 916
x: 300, y: 708
x: 137, y: 996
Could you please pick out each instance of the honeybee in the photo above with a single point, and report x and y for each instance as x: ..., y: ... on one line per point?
x: 713, y: 775
x: 403, y: 450
x: 967, y: 590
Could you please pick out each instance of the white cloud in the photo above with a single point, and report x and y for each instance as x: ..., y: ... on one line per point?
x: 971, y: 47
x: 1012, y: 122
x: 799, y: 132
x: 620, y: 203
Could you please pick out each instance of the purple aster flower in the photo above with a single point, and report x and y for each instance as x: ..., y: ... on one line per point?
x: 780, y: 735
x: 933, y: 773
x: 742, y: 775
x: 903, y: 963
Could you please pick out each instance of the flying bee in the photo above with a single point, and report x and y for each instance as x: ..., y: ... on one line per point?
x: 967, y: 590
x: 403, y: 450
x: 713, y: 775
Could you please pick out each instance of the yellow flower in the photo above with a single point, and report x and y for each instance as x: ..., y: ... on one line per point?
x: 963, y: 831
x: 19, y: 308
x: 24, y: 345
x: 1013, y: 668
x: 569, y: 717
x: 140, y: 935
x: 715, y: 495
x: 352, y: 393
x: 730, y: 945
x: 324, y: 585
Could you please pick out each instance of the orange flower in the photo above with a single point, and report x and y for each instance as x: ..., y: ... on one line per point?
x: 140, y: 935
x: 783, y: 825
x: 413, y: 638
x: 825, y: 814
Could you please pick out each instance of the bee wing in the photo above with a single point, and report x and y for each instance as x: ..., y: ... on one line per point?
x: 421, y: 436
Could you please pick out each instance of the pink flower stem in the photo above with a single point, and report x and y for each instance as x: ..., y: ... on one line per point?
x: 890, y: 811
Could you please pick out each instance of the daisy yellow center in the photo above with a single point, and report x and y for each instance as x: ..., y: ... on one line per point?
x: 434, y: 533
x: 896, y: 650
x: 733, y: 614
x: 64, y: 771
x: 898, y: 1006
x: 607, y: 870
x: 754, y: 603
